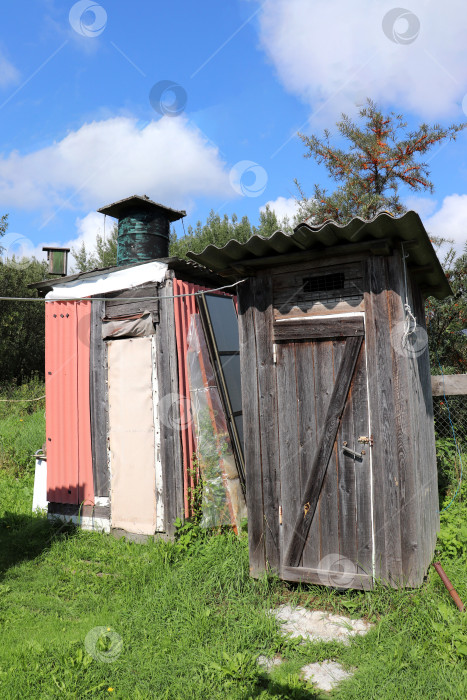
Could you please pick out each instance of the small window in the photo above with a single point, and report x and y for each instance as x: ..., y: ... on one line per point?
x: 324, y: 283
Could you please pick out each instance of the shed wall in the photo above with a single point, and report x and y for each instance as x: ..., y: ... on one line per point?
x: 68, y: 425
x: 184, y: 308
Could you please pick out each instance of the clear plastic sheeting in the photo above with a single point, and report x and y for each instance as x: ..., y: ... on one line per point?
x: 136, y: 326
x: 223, y: 502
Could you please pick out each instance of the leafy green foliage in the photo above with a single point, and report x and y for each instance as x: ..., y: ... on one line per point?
x: 21, y: 323
x: 447, y: 319
x: 104, y: 254
x: 220, y: 230
x: 3, y: 228
x: 381, y: 156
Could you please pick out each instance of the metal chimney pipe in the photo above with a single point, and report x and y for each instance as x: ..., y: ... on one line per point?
x: 143, y: 228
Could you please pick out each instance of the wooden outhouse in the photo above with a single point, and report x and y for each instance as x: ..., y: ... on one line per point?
x: 120, y: 440
x: 339, y: 438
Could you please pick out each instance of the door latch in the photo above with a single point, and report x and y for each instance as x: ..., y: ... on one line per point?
x: 355, y: 455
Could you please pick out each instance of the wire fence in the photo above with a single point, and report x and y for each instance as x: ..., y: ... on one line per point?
x: 451, y: 413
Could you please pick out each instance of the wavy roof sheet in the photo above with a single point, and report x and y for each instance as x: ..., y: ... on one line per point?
x: 234, y: 257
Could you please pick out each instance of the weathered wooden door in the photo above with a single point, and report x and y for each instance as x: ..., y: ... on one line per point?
x: 325, y: 451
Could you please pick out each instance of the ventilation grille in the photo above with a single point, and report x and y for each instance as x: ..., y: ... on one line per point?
x: 324, y: 283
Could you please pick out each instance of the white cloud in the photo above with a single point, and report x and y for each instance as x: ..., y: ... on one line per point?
x: 87, y: 229
x: 283, y: 207
x: 8, y: 73
x: 450, y: 221
x: 424, y: 206
x: 334, y: 54
x: 169, y: 159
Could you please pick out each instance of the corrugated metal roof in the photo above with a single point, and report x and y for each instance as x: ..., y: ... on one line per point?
x: 234, y: 257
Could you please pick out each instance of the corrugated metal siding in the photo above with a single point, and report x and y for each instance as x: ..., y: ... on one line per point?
x: 68, y: 425
x: 184, y: 308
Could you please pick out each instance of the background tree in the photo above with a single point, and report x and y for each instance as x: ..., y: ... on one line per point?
x: 104, y: 254
x: 447, y: 319
x: 381, y: 155
x: 219, y: 231
x: 21, y: 323
x: 3, y: 227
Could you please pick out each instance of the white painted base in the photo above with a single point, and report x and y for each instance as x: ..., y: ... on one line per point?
x: 39, y: 498
x: 84, y: 522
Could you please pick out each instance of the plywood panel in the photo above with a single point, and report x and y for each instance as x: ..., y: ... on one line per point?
x: 132, y: 435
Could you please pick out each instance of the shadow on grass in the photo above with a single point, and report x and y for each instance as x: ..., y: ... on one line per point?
x: 24, y: 537
x: 280, y: 689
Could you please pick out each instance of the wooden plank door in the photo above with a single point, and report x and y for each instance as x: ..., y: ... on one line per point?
x: 325, y: 463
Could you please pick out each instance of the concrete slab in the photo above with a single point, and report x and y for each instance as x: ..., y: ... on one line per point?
x: 325, y: 675
x: 267, y: 664
x: 318, y: 625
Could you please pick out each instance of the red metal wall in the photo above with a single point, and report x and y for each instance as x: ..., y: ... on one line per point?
x: 184, y: 307
x: 68, y: 421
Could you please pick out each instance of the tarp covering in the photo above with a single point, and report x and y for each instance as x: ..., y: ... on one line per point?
x: 136, y: 326
x: 223, y: 502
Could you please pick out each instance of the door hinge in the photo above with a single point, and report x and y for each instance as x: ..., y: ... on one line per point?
x: 280, y: 515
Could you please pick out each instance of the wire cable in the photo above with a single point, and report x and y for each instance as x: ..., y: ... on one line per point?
x: 123, y: 300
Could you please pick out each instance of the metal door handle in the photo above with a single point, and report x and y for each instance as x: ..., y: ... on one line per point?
x: 356, y: 455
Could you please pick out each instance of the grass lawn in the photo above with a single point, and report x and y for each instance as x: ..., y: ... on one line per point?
x: 186, y: 621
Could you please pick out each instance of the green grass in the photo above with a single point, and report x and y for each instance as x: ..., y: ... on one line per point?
x: 22, y: 426
x: 192, y: 622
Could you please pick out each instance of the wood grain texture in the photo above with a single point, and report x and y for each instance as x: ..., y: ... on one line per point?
x: 307, y: 369
x: 98, y: 402
x: 321, y: 461
x: 359, y: 401
x: 329, y: 356
x: 429, y: 466
x: 346, y: 468
x: 386, y: 497
x: 450, y: 384
x: 334, y: 579
x: 127, y: 302
x: 288, y: 427
x: 307, y: 329
x: 251, y: 417
x: 268, y: 433
x: 167, y: 373
x: 405, y: 428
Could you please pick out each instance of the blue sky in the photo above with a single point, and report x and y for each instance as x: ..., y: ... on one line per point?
x: 88, y: 115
